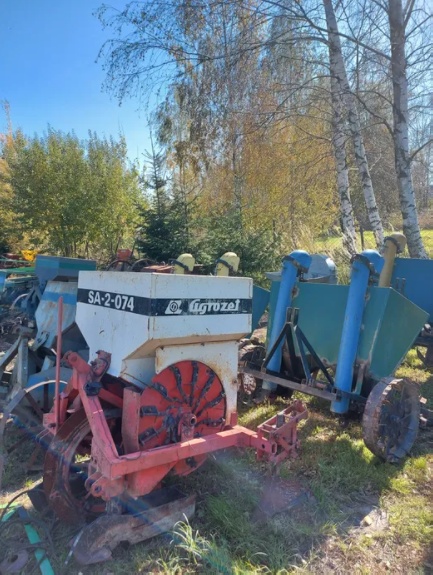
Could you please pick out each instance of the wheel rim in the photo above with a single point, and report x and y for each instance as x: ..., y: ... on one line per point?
x: 66, y: 469
x: 391, y: 419
x: 119, y: 266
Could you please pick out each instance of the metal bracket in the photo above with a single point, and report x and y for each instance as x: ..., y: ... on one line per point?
x: 291, y: 330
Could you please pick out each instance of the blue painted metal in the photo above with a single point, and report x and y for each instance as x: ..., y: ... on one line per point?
x: 46, y: 313
x: 68, y: 298
x: 15, y: 282
x: 14, y: 277
x: 414, y: 279
x: 322, y: 270
x: 58, y: 268
x: 293, y: 264
x: 275, y: 279
x: 53, y: 268
x: 390, y: 325
x: 260, y: 302
x: 364, y: 265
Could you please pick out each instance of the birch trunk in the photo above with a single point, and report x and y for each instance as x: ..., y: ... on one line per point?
x: 401, y: 130
x: 339, y: 146
x: 338, y: 71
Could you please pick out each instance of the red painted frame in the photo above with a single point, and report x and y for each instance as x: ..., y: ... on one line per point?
x: 138, y: 472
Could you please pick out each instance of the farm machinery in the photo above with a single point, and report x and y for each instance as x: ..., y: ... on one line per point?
x: 342, y: 344
x: 32, y: 348
x: 158, y: 396
x: 413, y: 278
x: 160, y: 392
x: 16, y: 277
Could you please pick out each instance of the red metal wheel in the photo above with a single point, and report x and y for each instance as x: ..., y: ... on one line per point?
x: 184, y: 401
x: 66, y: 466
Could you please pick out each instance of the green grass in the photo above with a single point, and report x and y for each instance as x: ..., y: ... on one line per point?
x: 325, y: 534
x: 331, y: 244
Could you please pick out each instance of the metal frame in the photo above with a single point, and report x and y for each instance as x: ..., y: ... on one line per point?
x: 290, y: 331
x: 139, y: 472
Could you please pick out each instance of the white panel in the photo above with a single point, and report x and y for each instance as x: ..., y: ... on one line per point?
x: 126, y: 334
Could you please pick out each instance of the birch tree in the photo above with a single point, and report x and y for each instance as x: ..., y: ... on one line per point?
x: 189, y: 43
x: 398, y: 20
x: 389, y: 53
x: 396, y: 43
x: 339, y: 145
x: 340, y: 83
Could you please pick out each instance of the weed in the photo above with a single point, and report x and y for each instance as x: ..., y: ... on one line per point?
x: 202, y: 551
x: 401, y: 485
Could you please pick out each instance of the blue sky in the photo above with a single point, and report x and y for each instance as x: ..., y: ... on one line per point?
x: 48, y: 73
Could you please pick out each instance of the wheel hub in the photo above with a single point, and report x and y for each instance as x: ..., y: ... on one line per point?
x: 184, y: 401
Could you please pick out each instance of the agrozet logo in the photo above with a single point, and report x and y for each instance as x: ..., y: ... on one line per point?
x: 203, y: 307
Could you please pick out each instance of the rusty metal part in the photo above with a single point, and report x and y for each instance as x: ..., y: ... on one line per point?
x: 147, y: 517
x: 185, y: 401
x: 391, y: 418
x: 254, y: 355
x: 288, y: 383
x: 27, y: 416
x: 170, y: 426
x: 281, y: 431
x: 142, y: 470
x: 119, y: 265
x: 138, y: 265
x: 157, y: 268
x: 66, y: 469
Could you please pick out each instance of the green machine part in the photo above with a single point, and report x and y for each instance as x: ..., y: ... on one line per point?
x: 391, y: 323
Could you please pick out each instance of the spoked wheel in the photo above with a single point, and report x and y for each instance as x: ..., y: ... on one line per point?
x: 143, y: 263
x: 186, y: 398
x: 66, y: 468
x: 391, y: 419
x: 119, y: 266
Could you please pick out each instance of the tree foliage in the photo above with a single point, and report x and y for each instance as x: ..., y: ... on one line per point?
x: 69, y: 197
x: 247, y: 118
x: 162, y: 233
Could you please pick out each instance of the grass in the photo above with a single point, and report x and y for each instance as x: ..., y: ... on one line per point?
x: 329, y: 244
x: 326, y: 534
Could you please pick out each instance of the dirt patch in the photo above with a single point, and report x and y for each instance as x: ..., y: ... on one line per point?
x: 280, y: 495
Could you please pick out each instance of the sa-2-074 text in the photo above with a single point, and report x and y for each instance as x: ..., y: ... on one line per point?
x: 116, y: 301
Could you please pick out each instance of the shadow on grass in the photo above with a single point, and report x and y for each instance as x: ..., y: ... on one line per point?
x: 16, y: 475
x: 345, y: 479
